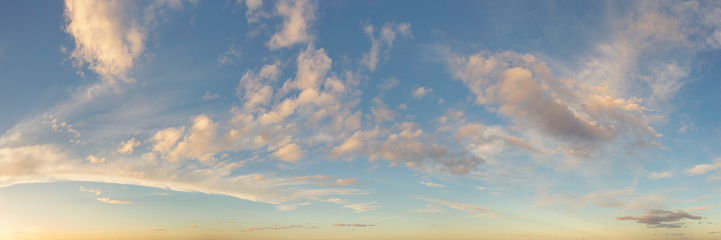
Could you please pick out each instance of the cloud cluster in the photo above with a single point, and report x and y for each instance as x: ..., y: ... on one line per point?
x: 520, y: 86
x: 657, y: 218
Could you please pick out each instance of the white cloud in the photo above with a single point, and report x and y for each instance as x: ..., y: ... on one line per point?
x: 127, y: 147
x: 94, y: 159
x: 108, y: 200
x: 703, y: 168
x: 482, y: 212
x: 383, y: 42
x: 106, y: 38
x: 659, y: 175
x: 254, y: 88
x: 433, y: 185
x: 94, y: 191
x: 289, y: 153
x: 363, y: 207
x: 345, y: 182
x: 297, y: 17
x: 420, y: 92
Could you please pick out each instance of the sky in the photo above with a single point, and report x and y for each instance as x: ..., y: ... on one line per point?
x: 309, y: 119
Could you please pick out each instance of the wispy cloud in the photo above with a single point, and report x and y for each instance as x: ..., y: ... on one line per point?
x: 278, y: 227
x: 108, y: 200
x: 482, y: 212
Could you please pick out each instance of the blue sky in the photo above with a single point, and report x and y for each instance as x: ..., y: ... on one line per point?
x: 360, y: 119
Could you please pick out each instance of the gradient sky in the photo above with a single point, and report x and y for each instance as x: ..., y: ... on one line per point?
x: 360, y: 119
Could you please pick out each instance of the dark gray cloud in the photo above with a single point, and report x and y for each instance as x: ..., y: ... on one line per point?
x: 657, y: 218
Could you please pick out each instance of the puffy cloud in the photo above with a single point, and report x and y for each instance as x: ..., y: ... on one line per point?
x: 297, y: 17
x: 522, y: 87
x: 94, y: 159
x: 127, y: 147
x: 703, y: 168
x: 420, y: 92
x: 382, y: 43
x: 289, y: 153
x: 165, y: 140
x: 345, y: 182
x: 254, y: 88
x: 108, y: 200
x: 109, y: 37
x: 105, y: 37
x: 657, y: 218
x: 659, y: 175
x: 277, y: 227
x: 381, y: 112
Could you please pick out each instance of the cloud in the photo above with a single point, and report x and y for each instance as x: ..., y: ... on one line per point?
x: 192, y: 226
x: 695, y: 209
x: 520, y: 86
x: 383, y: 42
x: 230, y: 56
x: 157, y: 229
x: 625, y: 198
x: 420, y: 92
x: 94, y: 191
x: 255, y: 89
x: 662, y: 219
x: 289, y: 153
x: 106, y: 38
x: 297, y: 17
x: 345, y: 182
x: 659, y: 175
x: 362, y: 207
x: 48, y: 163
x: 108, y: 200
x: 128, y: 146
x: 210, y: 96
x: 94, y: 159
x: 703, y: 168
x: 353, y: 225
x: 388, y: 83
x: 482, y: 212
x: 430, y: 208
x: 433, y: 185
x: 278, y: 227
